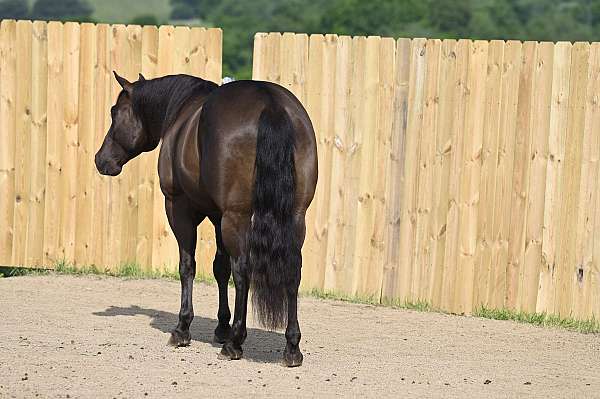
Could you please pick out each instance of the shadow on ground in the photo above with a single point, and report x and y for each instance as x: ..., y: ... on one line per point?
x: 260, y: 346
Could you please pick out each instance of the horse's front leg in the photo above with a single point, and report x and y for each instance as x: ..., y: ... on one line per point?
x: 184, y: 222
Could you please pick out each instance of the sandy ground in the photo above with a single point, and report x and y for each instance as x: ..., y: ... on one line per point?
x: 96, y: 337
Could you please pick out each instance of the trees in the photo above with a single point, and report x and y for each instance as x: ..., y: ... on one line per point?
x: 13, y: 9
x: 78, y: 10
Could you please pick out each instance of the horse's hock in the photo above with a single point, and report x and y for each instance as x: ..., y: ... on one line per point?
x: 461, y: 173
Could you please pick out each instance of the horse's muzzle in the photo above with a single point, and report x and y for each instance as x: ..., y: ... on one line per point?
x: 107, y: 167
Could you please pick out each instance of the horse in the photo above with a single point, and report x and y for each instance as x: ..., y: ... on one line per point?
x: 244, y: 156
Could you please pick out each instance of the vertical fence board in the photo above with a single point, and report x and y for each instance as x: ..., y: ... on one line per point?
x: 69, y: 139
x: 540, y: 125
x: 315, y: 225
x: 148, y: 161
x: 395, y: 159
x: 570, y: 271
x: 8, y: 31
x: 441, y: 168
x: 591, y: 196
x: 520, y: 179
x: 460, y: 93
x: 504, y: 175
x: 366, y: 196
x: 102, y: 89
x: 334, y: 261
x: 487, y: 180
x: 22, y: 142
x: 53, y: 215
x: 470, y: 177
x: 556, y: 151
x: 422, y: 247
x: 39, y: 71
x: 164, y: 246
x: 410, y: 170
x: 85, y: 150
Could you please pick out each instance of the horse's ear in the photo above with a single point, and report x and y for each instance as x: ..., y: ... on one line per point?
x: 141, y: 78
x: 125, y: 84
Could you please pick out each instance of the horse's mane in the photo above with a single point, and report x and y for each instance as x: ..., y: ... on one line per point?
x: 161, y: 99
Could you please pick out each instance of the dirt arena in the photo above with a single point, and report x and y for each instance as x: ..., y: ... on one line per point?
x: 100, y: 337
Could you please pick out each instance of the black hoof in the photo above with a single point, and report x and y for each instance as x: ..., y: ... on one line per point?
x: 230, y: 352
x: 179, y: 338
x: 222, y: 334
x: 293, y: 359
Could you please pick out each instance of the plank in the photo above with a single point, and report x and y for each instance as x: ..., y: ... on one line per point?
x: 52, y: 218
x: 148, y: 161
x: 463, y: 50
x: 69, y: 139
x: 470, y: 174
x: 367, y: 179
x: 101, y: 257
x: 315, y: 226
x: 422, y: 248
x: 584, y: 287
x: 8, y: 76
x: 520, y: 180
x: 22, y: 142
x: 487, y: 181
x: 197, y: 51
x: 259, y: 62
x: 556, y: 154
x: 39, y: 84
x: 441, y: 168
x: 504, y: 175
x: 540, y: 124
x: 214, y: 51
x: 589, y: 254
x: 395, y: 160
x: 570, y: 272
x: 85, y: 233
x: 410, y: 173
x: 165, y: 255
x: 334, y: 261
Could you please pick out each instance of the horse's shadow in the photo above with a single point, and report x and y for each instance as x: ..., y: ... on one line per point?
x: 260, y: 346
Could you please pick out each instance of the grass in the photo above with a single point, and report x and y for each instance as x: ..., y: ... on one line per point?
x: 591, y: 326
x: 135, y: 271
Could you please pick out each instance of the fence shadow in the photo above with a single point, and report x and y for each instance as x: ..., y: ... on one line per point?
x: 261, y: 346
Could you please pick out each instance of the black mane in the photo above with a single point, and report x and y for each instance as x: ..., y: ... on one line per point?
x: 158, y: 101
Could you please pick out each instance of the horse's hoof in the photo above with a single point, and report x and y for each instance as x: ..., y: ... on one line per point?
x: 222, y: 334
x: 178, y: 338
x: 230, y: 352
x: 293, y: 359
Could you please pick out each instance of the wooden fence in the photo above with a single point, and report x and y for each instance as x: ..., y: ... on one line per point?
x: 462, y: 173
x: 56, y: 90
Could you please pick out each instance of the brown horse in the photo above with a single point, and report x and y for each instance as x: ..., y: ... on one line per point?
x: 244, y: 155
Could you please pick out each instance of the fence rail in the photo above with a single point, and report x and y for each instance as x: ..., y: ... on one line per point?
x: 463, y: 173
x: 56, y: 90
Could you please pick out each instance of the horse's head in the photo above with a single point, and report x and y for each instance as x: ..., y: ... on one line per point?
x: 126, y: 137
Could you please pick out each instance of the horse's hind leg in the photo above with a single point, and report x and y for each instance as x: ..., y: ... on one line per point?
x: 222, y: 272
x: 234, y: 227
x: 292, y: 355
x: 184, y: 222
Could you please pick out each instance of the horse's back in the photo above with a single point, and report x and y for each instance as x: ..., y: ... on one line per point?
x: 228, y: 136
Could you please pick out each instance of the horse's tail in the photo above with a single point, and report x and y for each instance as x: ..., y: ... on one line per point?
x: 274, y: 258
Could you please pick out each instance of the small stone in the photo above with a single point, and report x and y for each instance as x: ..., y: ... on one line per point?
x: 527, y: 383
x: 174, y: 383
x: 487, y: 382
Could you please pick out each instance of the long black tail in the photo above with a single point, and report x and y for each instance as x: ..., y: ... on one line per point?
x: 274, y: 255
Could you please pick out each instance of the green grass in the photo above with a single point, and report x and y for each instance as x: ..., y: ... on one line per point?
x: 135, y: 271
x: 591, y: 326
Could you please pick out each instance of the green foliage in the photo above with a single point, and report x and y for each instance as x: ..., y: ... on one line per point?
x: 13, y: 9
x: 145, y: 19
x: 71, y: 10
